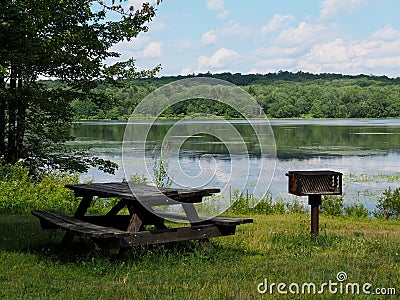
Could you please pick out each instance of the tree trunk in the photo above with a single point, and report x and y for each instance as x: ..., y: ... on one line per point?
x: 2, y: 115
x: 11, y: 156
x: 21, y: 115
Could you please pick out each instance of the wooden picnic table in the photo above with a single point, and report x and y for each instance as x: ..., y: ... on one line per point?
x: 124, y: 231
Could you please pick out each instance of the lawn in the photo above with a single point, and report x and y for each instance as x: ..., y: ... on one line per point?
x: 275, y: 248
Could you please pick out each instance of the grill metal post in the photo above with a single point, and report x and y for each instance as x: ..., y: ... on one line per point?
x: 315, y: 201
x: 314, y: 184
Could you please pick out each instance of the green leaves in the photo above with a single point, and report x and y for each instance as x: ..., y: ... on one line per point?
x: 389, y: 204
x: 20, y: 193
x: 67, y: 40
x: 126, y: 70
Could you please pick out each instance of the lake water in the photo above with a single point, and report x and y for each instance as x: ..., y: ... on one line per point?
x: 367, y: 152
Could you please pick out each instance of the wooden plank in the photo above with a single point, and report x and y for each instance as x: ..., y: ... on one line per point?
x: 117, y: 221
x: 102, y: 190
x: 135, y: 223
x: 144, y: 192
x: 178, y: 234
x: 117, y: 208
x: 236, y: 221
x: 77, y: 226
x: 83, y: 206
x: 204, y: 219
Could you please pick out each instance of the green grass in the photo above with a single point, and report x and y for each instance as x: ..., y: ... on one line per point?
x: 276, y: 247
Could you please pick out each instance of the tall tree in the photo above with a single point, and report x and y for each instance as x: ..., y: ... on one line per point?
x: 68, y: 40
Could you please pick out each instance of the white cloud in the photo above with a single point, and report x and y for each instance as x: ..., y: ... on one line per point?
x: 209, y: 38
x: 369, y: 56
x: 220, y: 59
x: 330, y: 53
x: 384, y: 65
x: 330, y: 8
x: 131, y: 48
x: 387, y: 34
x: 316, y: 49
x: 157, y: 26
x: 234, y: 29
x: 274, y: 64
x: 231, y: 29
x: 153, y: 50
x: 218, y: 5
x: 304, y: 34
x: 184, y: 45
x: 215, y: 4
x: 275, y: 52
x: 185, y: 71
x: 274, y: 58
x: 222, y: 15
x: 277, y: 22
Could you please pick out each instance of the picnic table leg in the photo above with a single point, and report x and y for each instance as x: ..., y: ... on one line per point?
x: 191, y: 213
x: 83, y: 206
x: 137, y: 213
x: 117, y: 208
x: 80, y: 213
x: 193, y: 217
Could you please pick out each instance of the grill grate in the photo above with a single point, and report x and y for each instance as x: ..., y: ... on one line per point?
x: 302, y: 183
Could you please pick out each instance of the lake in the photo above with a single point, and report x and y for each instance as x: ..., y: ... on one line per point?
x: 367, y: 152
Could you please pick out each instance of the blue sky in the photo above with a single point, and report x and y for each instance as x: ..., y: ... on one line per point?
x: 317, y: 36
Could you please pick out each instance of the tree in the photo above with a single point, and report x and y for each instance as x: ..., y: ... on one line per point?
x: 68, y: 40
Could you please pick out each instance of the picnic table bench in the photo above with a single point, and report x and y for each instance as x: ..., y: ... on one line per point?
x: 124, y: 231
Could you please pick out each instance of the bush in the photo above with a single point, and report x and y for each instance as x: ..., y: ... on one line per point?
x: 356, y: 210
x: 389, y: 205
x: 295, y: 208
x: 241, y: 203
x: 244, y: 204
x: 265, y: 207
x: 332, y: 205
x: 20, y: 193
x: 138, y: 178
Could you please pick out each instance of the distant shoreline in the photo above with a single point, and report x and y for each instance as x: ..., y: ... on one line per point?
x: 233, y: 119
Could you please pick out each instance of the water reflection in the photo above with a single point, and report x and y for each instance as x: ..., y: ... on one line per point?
x: 349, y: 146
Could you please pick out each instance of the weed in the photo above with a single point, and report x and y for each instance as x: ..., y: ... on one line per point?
x: 137, y: 178
x: 160, y: 169
x: 389, y: 205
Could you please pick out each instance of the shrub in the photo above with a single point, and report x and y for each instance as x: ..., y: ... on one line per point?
x: 295, y: 207
x: 279, y: 207
x: 356, y: 210
x: 21, y: 193
x: 240, y: 203
x: 389, y: 205
x: 332, y: 205
x: 265, y: 206
x: 244, y: 204
x: 138, y: 178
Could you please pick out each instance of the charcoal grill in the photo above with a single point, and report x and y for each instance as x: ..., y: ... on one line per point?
x: 314, y: 184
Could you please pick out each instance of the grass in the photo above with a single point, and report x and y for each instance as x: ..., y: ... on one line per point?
x: 276, y: 247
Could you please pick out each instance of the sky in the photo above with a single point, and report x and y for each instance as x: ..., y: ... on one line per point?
x: 266, y: 36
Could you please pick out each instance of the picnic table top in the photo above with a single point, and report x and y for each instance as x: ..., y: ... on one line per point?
x: 134, y: 191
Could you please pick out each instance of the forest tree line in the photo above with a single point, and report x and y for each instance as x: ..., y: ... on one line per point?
x: 281, y: 95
